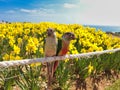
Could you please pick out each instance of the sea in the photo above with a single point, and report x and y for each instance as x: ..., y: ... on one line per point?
x: 106, y: 28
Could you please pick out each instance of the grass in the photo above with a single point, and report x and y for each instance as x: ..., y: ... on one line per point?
x: 114, y: 86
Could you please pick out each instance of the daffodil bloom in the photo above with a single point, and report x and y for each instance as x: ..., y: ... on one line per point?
x: 2, y: 36
x: 19, y: 40
x: 26, y: 31
x: 16, y: 49
x: 18, y: 58
x: 35, y: 64
x: 36, y: 42
x: 11, y: 40
x: 66, y: 60
x: 41, y: 50
x: 90, y: 68
x: 12, y: 57
x: 31, y: 48
x: 6, y: 57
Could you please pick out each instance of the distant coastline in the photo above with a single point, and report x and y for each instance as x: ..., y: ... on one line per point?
x: 114, y: 34
x: 113, y: 29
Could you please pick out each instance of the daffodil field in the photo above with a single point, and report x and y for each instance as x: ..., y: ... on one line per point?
x: 26, y: 40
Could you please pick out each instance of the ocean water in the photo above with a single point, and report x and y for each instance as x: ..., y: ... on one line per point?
x: 106, y: 28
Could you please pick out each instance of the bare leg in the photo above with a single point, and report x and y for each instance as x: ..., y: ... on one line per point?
x: 56, y: 63
x: 49, y: 76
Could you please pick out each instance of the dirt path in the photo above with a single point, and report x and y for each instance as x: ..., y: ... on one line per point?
x: 98, y: 83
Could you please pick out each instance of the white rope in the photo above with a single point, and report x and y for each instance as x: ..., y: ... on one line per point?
x: 51, y: 59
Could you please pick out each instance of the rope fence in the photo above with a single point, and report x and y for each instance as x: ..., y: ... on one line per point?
x: 51, y: 59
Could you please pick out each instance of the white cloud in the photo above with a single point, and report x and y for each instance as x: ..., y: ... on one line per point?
x: 28, y: 10
x: 37, y: 11
x: 69, y: 5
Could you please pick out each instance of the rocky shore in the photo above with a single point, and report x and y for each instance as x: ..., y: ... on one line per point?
x: 114, y: 33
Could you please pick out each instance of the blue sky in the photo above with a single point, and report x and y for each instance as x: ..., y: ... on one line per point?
x: 95, y: 12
